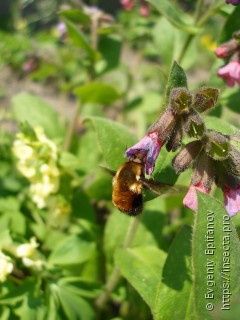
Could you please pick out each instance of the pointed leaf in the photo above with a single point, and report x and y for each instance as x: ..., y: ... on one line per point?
x: 97, y: 92
x: 113, y: 139
x: 177, y: 78
x: 216, y: 251
x: 142, y: 267
x: 173, y: 298
x: 175, y: 16
x: 79, y: 39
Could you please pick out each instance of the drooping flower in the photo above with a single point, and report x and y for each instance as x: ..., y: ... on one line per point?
x: 190, y: 200
x: 147, y: 149
x: 232, y: 200
x: 234, y: 2
x: 6, y: 266
x: 230, y: 73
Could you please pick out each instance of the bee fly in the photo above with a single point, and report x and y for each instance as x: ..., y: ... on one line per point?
x: 128, y: 183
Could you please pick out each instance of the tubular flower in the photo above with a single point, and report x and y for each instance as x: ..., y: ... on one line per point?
x: 230, y: 73
x: 232, y: 199
x: 37, y: 161
x: 234, y: 2
x: 190, y: 200
x: 6, y: 266
x: 147, y: 149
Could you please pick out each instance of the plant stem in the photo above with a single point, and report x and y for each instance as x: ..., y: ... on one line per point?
x: 197, y: 15
x: 71, y: 128
x: 116, y: 275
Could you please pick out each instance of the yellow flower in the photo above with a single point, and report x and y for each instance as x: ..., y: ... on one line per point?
x: 6, y: 266
x: 27, y: 249
x: 208, y: 43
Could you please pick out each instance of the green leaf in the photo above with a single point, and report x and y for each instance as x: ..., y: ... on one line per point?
x: 214, y: 123
x: 175, y: 286
x: 32, y: 308
x: 232, y: 25
x: 27, y: 107
x: 97, y: 92
x: 72, y: 250
x: 69, y: 160
x: 177, y: 78
x: 142, y: 267
x: 113, y: 139
x: 216, y: 251
x: 110, y: 49
x: 80, y: 287
x: 76, y: 16
x: 73, y: 306
x: 175, y: 16
x: 117, y: 227
x: 79, y: 39
x: 230, y: 98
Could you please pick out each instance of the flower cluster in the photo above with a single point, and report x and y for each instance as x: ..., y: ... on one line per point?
x: 230, y: 50
x: 213, y: 156
x: 129, y: 4
x: 37, y: 160
x: 6, y: 266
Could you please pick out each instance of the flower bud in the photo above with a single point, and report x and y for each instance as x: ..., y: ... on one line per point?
x: 186, y: 156
x: 217, y: 145
x: 204, y: 171
x: 193, y: 124
x: 232, y: 163
x: 227, y: 49
x: 164, y: 125
x: 175, y: 138
x: 180, y: 100
x: 205, y: 98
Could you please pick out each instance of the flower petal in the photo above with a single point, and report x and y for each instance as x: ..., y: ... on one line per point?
x: 147, y: 150
x: 190, y: 200
x: 232, y: 200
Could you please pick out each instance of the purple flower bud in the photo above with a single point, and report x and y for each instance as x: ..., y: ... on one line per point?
x: 230, y: 73
x: 147, y: 150
x: 190, y: 200
x: 232, y: 200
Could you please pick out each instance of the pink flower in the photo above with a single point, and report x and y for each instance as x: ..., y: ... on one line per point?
x: 232, y: 200
x: 227, y: 49
x: 230, y: 73
x: 234, y: 2
x: 144, y: 10
x: 127, y: 4
x: 147, y: 150
x: 190, y: 200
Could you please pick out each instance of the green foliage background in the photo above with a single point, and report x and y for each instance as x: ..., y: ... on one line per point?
x: 116, y: 76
